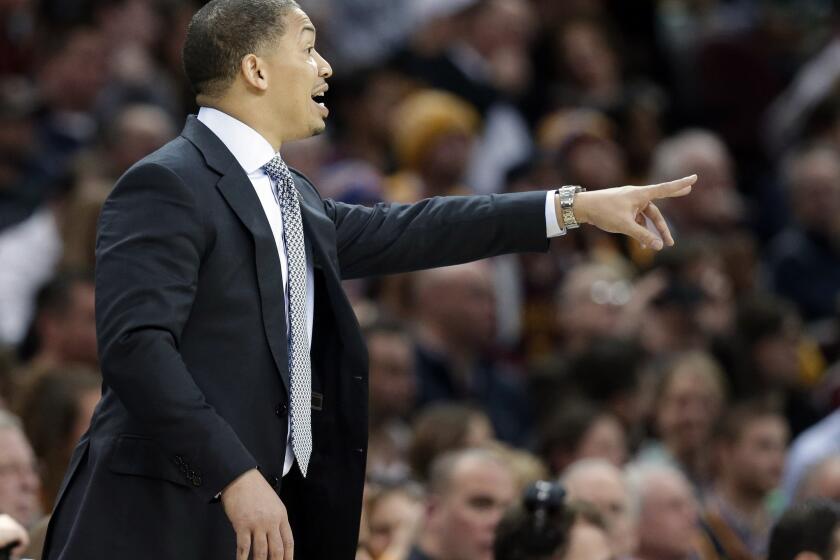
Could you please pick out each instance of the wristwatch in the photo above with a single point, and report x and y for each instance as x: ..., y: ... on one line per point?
x: 566, y: 195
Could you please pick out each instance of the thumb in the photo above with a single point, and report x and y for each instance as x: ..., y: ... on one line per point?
x: 647, y: 238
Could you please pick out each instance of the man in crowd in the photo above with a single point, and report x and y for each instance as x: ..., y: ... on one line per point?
x: 19, y: 483
x: 600, y: 483
x: 469, y: 492
x: 751, y: 444
x: 667, y: 512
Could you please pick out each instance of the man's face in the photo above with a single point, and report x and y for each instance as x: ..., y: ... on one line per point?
x: 19, y: 483
x: 466, y: 517
x: 667, y: 521
x: 392, y: 383
x: 295, y: 73
x: 690, y: 405
x: 607, y: 492
x: 757, y: 458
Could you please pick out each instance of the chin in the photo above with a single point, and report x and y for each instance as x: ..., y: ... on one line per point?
x: 319, y: 129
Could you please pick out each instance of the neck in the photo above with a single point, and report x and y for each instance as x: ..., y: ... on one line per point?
x: 246, y: 110
x: 430, y: 545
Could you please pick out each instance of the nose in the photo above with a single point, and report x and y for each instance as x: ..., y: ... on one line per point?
x: 324, y: 68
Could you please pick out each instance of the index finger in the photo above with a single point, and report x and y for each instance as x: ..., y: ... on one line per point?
x: 680, y: 187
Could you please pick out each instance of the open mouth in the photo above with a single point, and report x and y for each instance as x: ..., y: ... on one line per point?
x: 318, y: 99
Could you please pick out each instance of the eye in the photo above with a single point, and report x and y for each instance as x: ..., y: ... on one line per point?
x: 309, y: 50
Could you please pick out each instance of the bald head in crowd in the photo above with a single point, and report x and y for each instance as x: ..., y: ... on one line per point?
x: 601, y: 484
x: 469, y: 491
x: 455, y: 306
x: 666, y: 509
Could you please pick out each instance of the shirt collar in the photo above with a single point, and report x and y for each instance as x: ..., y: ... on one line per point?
x: 248, y: 146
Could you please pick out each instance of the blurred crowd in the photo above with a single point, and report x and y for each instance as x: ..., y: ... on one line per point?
x: 688, y: 400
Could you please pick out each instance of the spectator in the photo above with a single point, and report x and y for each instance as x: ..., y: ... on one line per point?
x: 667, y: 512
x: 394, y: 515
x: 718, y: 207
x: 579, y: 430
x: 392, y: 391
x: 19, y: 483
x: 64, y: 328
x: 751, y: 443
x: 469, y: 491
x: 56, y: 407
x: 809, y: 247
x: 775, y: 356
x: 455, y: 313
x: 602, y: 484
x: 446, y: 427
x: 807, y: 531
x: 689, y: 399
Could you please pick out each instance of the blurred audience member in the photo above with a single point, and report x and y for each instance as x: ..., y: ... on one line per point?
x: 468, y: 493
x: 751, y: 443
x: 822, y: 480
x: 820, y: 441
x: 602, y: 484
x: 56, y: 407
x: 716, y: 205
x: 807, y: 531
x: 64, y: 328
x: 19, y: 484
x: 775, y: 356
x: 810, y: 247
x: 433, y: 134
x: 394, y: 516
x: 667, y: 512
x: 689, y: 400
x: 609, y: 373
x: 446, y: 427
x: 392, y: 391
x: 579, y: 430
x: 456, y: 327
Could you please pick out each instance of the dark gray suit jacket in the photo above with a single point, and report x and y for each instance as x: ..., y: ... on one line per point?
x: 191, y: 328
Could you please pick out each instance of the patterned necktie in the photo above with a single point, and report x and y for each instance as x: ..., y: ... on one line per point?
x: 300, y: 372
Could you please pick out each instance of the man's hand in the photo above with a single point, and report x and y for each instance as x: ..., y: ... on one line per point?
x: 11, y: 531
x: 623, y: 210
x: 259, y: 519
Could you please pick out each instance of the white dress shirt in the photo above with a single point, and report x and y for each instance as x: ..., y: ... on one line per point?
x: 252, y: 151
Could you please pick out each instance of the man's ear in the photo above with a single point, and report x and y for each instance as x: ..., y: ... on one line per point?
x: 807, y: 556
x: 253, y: 70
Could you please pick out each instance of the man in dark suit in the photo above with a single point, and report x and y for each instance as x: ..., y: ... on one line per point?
x: 234, y: 412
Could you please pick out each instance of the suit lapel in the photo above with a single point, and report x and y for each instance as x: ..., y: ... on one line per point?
x: 237, y: 190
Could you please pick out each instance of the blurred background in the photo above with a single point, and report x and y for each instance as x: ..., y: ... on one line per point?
x: 711, y: 369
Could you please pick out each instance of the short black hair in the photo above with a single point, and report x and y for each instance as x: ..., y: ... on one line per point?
x: 806, y: 527
x: 222, y: 32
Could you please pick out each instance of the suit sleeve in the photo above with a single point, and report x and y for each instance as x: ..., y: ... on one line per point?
x: 442, y: 231
x: 149, y: 249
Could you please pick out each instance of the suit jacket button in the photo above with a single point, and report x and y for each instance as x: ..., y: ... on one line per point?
x: 281, y: 409
x: 275, y: 481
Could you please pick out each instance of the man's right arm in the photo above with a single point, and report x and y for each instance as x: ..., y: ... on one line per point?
x: 149, y: 248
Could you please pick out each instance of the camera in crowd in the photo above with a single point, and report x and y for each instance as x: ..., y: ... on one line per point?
x: 545, y: 526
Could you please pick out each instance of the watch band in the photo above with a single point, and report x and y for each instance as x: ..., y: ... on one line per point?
x: 566, y: 195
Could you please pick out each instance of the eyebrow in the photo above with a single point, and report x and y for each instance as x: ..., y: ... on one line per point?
x: 308, y: 27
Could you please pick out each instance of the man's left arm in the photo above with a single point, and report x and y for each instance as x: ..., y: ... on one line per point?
x: 442, y: 231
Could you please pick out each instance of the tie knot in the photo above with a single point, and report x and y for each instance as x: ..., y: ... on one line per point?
x: 276, y: 168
